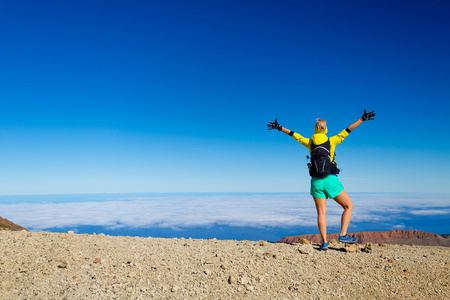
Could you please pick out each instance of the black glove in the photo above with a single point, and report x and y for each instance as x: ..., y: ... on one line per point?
x: 274, y: 125
x: 368, y: 116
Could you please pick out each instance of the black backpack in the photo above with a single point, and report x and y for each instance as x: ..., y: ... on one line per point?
x: 321, y: 164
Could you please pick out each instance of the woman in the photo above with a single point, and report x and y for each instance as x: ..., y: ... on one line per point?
x: 324, y: 181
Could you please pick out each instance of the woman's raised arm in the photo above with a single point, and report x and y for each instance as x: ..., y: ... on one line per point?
x: 365, y: 117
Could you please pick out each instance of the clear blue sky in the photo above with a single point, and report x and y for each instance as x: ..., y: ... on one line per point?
x: 174, y: 96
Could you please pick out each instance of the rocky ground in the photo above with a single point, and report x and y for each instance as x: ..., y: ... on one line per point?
x: 42, y: 265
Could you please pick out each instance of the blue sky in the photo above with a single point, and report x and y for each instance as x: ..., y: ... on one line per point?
x: 174, y: 96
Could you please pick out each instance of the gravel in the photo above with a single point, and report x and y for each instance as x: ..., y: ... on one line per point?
x: 43, y: 265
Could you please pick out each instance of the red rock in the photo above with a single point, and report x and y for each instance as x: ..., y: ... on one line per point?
x: 97, y: 260
x: 8, y: 225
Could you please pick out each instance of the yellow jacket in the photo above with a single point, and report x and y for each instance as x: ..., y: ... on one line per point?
x: 320, y: 137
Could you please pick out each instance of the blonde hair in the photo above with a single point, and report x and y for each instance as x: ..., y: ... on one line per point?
x: 320, y: 125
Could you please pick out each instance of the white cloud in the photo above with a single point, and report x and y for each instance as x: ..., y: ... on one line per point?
x: 399, y: 226
x: 167, y: 212
x: 430, y: 212
x: 182, y: 211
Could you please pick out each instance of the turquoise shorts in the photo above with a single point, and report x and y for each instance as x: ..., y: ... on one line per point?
x: 327, y: 187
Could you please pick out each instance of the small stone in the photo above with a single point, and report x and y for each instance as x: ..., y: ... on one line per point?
x: 391, y: 260
x: 368, y: 248
x: 63, y: 265
x: 269, y: 255
x: 383, y: 256
x: 352, y: 248
x: 304, y: 241
x: 244, y: 280
x: 305, y: 249
x: 70, y: 232
x: 382, y: 245
x: 232, y: 279
x: 97, y: 260
x: 208, y: 272
x: 132, y: 275
x: 175, y: 288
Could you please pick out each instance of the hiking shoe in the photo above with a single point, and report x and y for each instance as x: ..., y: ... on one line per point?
x: 324, y: 246
x: 347, y: 239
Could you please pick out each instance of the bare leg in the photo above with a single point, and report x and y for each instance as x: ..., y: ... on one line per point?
x: 321, y: 206
x: 344, y: 200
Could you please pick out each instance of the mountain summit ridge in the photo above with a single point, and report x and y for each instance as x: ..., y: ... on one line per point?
x: 6, y: 224
x: 397, y: 236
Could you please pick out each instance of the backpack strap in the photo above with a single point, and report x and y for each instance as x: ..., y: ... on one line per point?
x: 325, y: 145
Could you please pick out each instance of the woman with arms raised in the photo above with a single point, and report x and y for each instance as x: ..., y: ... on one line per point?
x: 323, y: 170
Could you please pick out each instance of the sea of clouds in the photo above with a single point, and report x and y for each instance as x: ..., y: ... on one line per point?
x: 372, y: 212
